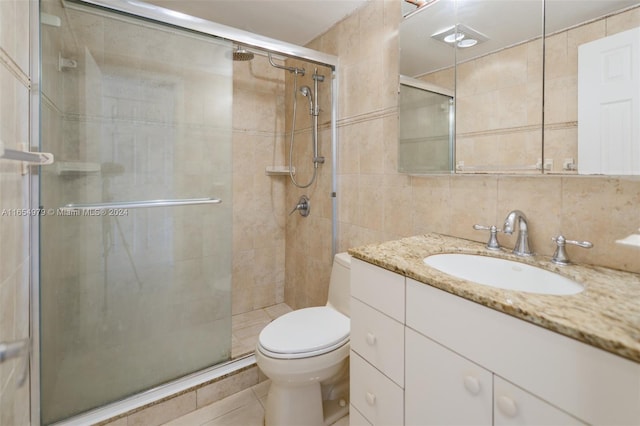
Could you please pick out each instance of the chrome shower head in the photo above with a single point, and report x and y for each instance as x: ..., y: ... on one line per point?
x: 306, y: 91
x: 242, y: 55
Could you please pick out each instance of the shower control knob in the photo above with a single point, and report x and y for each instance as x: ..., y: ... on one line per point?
x: 303, y: 206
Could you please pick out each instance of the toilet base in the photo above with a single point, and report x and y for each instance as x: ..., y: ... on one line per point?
x: 294, y: 406
x: 302, y: 406
x: 335, y: 410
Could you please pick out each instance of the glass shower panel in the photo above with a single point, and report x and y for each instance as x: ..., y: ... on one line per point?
x: 426, y: 136
x: 131, y: 297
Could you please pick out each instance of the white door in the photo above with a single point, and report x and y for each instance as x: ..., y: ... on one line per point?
x: 609, y: 105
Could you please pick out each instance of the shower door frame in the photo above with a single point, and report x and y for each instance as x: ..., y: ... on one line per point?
x: 183, y: 21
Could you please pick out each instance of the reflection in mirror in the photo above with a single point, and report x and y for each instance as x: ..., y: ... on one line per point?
x: 426, y: 128
x: 499, y: 87
x: 591, y: 118
x: 495, y: 69
x: 427, y: 86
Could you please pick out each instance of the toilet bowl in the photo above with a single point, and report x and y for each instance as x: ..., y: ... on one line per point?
x: 305, y: 353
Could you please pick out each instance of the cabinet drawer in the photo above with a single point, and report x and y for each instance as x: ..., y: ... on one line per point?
x: 379, y: 339
x: 379, y: 288
x: 374, y: 395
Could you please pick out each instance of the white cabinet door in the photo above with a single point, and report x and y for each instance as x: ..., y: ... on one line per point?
x: 514, y: 406
x: 443, y: 388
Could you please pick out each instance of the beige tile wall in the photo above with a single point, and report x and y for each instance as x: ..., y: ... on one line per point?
x: 375, y: 203
x: 305, y: 252
x: 14, y: 194
x: 499, y: 108
x: 258, y: 200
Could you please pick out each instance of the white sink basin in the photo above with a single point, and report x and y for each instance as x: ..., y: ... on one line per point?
x: 501, y: 273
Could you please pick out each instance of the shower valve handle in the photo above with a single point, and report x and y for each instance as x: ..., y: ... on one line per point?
x: 303, y: 206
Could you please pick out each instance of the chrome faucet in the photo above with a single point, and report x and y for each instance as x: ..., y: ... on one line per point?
x: 522, y: 243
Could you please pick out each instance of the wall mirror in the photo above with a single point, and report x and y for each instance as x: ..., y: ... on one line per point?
x: 592, y: 92
x: 501, y: 72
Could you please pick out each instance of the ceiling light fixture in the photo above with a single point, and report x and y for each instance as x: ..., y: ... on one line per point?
x: 460, y: 35
x: 453, y: 37
x: 467, y: 42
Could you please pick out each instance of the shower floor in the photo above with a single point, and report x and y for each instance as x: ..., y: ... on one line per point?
x: 246, y: 327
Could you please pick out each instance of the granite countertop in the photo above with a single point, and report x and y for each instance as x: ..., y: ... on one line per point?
x: 605, y: 315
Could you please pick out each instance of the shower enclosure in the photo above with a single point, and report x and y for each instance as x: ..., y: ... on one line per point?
x: 134, y: 112
x: 426, y: 136
x: 136, y: 247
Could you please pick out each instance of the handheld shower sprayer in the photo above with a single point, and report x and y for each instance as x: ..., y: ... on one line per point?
x: 314, y: 111
x: 306, y: 91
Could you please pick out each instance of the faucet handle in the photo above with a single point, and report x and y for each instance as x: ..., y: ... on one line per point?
x: 560, y: 256
x: 493, y: 243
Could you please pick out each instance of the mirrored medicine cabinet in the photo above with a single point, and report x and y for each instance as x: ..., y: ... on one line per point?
x: 520, y: 87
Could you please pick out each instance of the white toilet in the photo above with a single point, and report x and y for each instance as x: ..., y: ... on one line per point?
x: 305, y: 353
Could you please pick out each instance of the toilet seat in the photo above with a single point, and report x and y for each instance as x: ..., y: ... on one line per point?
x: 305, y: 333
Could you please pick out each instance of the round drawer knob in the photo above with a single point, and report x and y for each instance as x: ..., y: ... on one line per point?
x: 507, y: 406
x: 472, y: 384
x: 371, y: 339
x: 371, y: 398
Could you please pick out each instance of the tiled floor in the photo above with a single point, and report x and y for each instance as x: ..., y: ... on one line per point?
x: 246, y: 327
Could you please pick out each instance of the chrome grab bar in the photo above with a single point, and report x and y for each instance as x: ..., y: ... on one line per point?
x: 140, y: 204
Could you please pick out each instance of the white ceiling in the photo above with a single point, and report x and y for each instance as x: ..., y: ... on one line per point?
x: 293, y: 21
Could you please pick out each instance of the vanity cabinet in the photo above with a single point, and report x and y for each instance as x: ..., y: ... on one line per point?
x: 465, y: 363
x: 585, y: 382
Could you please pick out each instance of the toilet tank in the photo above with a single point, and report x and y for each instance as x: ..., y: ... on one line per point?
x: 340, y: 283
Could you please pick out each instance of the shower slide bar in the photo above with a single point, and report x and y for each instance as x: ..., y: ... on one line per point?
x: 139, y: 204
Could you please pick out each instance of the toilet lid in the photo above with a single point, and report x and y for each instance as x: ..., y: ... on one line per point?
x: 305, y: 332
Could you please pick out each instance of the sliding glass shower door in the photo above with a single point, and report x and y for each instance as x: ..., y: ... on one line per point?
x: 134, y: 292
